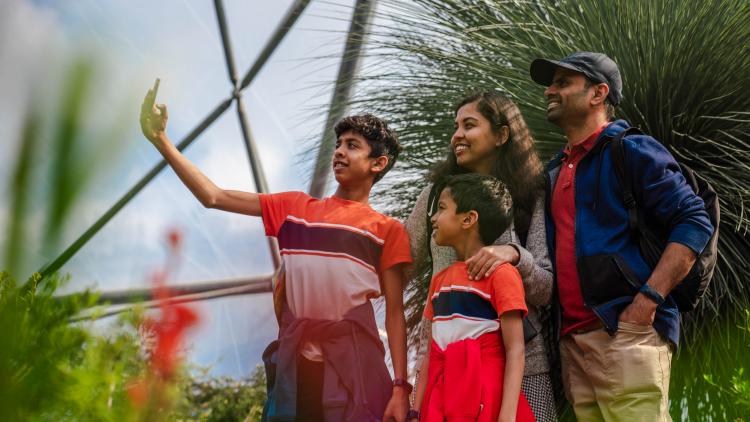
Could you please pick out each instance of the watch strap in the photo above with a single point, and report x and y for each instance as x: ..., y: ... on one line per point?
x: 400, y: 382
x: 652, y: 294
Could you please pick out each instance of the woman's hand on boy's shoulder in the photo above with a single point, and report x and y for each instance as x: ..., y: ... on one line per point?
x: 487, y: 259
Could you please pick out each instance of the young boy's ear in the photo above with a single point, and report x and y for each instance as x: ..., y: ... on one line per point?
x: 379, y: 164
x: 470, y: 218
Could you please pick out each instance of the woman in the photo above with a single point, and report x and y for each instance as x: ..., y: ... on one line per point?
x: 492, y: 138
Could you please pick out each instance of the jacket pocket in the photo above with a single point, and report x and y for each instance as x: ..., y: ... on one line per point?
x: 605, y: 277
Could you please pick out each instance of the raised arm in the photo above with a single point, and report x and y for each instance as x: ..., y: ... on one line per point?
x: 154, y: 124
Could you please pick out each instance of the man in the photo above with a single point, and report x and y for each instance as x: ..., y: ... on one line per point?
x: 619, y: 326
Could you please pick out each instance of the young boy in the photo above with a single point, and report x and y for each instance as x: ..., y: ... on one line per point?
x: 337, y: 253
x: 476, y: 359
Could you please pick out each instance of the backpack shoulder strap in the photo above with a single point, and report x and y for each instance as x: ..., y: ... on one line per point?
x: 432, y: 202
x: 432, y: 205
x: 621, y: 169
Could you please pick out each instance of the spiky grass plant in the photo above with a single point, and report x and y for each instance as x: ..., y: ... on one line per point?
x: 686, y: 72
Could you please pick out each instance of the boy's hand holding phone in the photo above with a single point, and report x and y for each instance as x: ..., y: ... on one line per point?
x: 154, y: 117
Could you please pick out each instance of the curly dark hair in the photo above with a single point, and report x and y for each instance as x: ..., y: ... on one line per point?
x: 381, y: 138
x: 517, y: 164
x: 487, y: 196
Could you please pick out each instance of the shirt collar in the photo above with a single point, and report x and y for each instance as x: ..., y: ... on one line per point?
x: 587, y: 144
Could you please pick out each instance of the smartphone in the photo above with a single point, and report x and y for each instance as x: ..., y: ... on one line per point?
x: 154, y: 90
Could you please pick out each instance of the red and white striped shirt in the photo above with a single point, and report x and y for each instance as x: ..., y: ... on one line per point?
x: 334, y: 252
x: 461, y: 309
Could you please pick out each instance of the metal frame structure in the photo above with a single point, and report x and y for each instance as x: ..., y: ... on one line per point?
x: 361, y: 18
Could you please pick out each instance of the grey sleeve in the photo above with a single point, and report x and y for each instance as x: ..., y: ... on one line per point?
x: 416, y: 225
x: 534, y: 264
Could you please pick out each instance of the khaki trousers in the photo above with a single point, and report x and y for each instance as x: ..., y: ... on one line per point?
x: 620, y: 378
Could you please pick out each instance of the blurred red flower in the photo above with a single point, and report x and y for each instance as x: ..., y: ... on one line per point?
x: 163, y: 336
x: 168, y: 332
x: 175, y: 239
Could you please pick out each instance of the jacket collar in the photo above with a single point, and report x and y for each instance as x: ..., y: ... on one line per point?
x: 609, y: 132
x: 613, y: 129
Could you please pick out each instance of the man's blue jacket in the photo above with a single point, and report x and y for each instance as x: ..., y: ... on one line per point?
x: 601, y: 220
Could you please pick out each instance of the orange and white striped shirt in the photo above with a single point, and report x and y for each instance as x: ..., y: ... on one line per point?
x: 334, y: 252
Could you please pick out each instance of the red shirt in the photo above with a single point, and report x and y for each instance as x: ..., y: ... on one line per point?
x: 574, y: 314
x: 462, y: 309
x: 465, y: 378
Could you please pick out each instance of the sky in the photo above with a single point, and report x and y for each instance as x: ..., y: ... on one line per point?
x: 133, y: 42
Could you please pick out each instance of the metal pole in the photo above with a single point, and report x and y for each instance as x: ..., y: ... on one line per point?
x: 350, y: 62
x: 294, y: 12
x: 289, y: 19
x: 55, y: 265
x: 225, y: 42
x: 118, y: 297
x: 243, y: 287
x: 259, y: 177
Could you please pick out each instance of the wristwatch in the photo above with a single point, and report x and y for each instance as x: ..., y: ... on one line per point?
x: 413, y: 414
x: 400, y: 382
x: 652, y: 294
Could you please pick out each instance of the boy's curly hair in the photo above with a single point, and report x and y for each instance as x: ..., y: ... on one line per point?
x: 381, y: 138
x: 486, y: 195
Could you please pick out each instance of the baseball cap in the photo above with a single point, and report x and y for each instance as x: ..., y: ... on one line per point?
x: 596, y: 66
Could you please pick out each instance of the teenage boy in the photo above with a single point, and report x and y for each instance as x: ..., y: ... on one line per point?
x: 337, y: 253
x: 615, y: 346
x: 476, y: 358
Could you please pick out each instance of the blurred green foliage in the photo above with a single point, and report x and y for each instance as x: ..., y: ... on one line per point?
x: 64, y: 143
x: 223, y: 399
x: 55, y: 370
x: 728, y: 383
x: 56, y: 363
x: 51, y: 369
